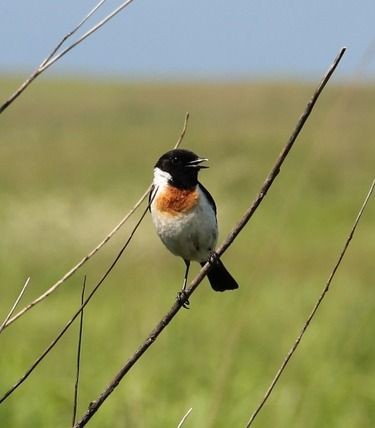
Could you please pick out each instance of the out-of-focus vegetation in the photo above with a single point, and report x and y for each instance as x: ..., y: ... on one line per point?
x: 75, y: 156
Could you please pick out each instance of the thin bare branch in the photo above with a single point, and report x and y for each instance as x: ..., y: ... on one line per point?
x: 87, y: 34
x: 70, y: 322
x: 71, y: 33
x: 184, y: 418
x: 79, y: 348
x: 75, y: 268
x: 179, y: 141
x: 276, y: 169
x: 54, y: 56
x: 96, y: 404
x: 4, y: 323
x: 313, y: 312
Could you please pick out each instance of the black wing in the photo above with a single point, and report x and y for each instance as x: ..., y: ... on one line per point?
x: 209, y: 197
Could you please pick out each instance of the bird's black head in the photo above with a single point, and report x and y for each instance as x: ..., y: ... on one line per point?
x: 182, y: 166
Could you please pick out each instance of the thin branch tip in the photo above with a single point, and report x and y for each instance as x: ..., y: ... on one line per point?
x: 55, y: 55
x: 184, y: 418
x: 19, y: 297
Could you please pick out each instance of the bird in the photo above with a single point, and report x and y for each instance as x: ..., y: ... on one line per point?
x: 185, y: 217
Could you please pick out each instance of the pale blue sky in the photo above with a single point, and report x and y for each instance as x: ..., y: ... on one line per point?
x: 195, y: 39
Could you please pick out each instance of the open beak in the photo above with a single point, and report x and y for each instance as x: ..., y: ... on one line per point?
x: 197, y: 163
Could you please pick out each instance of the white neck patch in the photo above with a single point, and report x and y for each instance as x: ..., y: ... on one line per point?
x: 161, y: 178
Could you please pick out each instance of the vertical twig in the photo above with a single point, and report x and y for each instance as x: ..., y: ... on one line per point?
x: 183, y: 132
x: 313, y: 312
x: 79, y: 348
x: 4, y: 323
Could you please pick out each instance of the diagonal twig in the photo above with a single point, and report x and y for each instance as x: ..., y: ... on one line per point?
x: 4, y: 323
x: 74, y: 269
x: 55, y: 56
x: 313, y: 312
x: 86, y: 35
x: 72, y: 32
x: 96, y: 404
x: 41, y: 357
x: 184, y: 418
x: 79, y: 349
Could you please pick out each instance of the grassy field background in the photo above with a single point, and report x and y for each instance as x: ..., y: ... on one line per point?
x: 74, y: 158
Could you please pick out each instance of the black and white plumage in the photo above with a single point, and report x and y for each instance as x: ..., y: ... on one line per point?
x: 184, y: 214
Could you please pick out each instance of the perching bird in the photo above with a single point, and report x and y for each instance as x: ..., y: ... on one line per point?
x: 184, y: 215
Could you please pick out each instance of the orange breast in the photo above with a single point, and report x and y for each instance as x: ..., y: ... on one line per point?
x: 173, y: 201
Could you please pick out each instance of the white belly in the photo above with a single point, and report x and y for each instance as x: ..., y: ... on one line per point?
x: 189, y: 235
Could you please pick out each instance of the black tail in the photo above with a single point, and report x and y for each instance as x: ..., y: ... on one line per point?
x: 220, y: 279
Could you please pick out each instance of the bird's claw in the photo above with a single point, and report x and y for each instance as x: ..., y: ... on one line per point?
x: 183, y: 299
x: 213, y: 257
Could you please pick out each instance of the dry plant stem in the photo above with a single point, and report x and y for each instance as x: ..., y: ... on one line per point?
x: 276, y: 169
x: 42, y: 67
x: 71, y: 33
x: 79, y: 349
x: 95, y: 405
x: 87, y: 34
x: 183, y: 132
x: 74, y: 269
x: 184, y: 418
x: 3, y: 325
x: 54, y: 56
x: 313, y: 312
x: 70, y: 322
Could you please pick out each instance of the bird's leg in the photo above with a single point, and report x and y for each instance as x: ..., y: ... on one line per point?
x: 187, y: 263
x: 213, y: 257
x: 181, y: 295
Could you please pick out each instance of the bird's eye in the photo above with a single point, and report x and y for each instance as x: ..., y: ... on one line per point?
x: 175, y: 160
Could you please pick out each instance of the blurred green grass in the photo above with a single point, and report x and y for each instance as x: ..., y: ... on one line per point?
x: 76, y: 155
